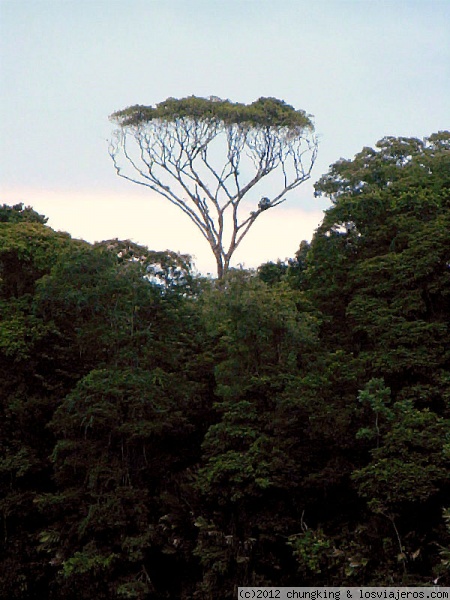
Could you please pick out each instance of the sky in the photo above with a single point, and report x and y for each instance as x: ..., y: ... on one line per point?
x: 363, y: 68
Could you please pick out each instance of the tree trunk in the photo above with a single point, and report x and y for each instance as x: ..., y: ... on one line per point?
x: 220, y: 268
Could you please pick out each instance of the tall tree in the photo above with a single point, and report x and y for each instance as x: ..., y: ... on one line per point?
x: 34, y: 375
x: 244, y: 510
x: 378, y: 269
x: 206, y: 155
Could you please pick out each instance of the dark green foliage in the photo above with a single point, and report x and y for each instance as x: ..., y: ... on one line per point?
x: 17, y: 214
x: 163, y: 436
x: 123, y: 444
x: 272, y: 273
x: 28, y: 396
x: 293, y: 270
x: 77, y: 324
x: 378, y: 269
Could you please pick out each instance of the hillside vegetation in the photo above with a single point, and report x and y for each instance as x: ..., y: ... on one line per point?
x: 164, y: 436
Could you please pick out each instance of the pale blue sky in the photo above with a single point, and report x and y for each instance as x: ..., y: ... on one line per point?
x: 363, y: 68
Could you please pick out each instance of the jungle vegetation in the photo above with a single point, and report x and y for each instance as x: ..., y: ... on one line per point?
x: 166, y: 436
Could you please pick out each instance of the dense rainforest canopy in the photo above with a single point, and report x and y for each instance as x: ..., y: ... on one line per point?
x: 166, y: 436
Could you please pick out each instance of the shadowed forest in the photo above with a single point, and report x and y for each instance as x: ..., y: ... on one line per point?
x: 169, y: 436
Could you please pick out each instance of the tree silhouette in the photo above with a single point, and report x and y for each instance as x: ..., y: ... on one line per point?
x: 175, y: 147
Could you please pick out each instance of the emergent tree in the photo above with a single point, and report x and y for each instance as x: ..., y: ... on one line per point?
x: 174, y: 148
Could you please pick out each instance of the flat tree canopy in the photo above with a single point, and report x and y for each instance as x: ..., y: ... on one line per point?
x: 206, y: 154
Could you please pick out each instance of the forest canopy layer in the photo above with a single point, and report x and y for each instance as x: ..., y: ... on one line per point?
x: 167, y: 436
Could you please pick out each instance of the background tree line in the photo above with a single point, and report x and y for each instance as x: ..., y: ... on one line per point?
x: 167, y: 436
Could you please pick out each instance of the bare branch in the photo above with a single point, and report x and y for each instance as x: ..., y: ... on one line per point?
x: 177, y: 146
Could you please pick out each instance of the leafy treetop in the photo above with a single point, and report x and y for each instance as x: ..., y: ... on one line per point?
x: 18, y: 213
x: 390, y: 164
x: 264, y: 112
